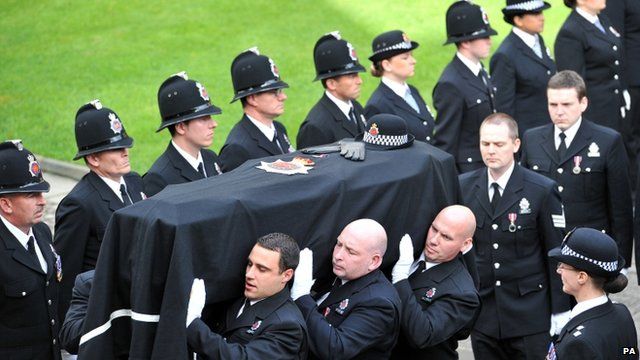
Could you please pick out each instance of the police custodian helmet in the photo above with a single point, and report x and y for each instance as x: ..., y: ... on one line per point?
x: 181, y: 99
x: 334, y: 56
x: 252, y: 73
x: 99, y: 129
x: 467, y: 21
x: 20, y: 171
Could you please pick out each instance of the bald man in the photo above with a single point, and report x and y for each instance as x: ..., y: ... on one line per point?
x: 439, y: 298
x: 359, y: 317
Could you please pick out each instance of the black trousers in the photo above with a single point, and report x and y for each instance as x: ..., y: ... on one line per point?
x: 528, y: 347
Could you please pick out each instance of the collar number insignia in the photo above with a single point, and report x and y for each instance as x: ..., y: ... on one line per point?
x: 525, y: 206
x: 594, y: 150
x: 115, y: 124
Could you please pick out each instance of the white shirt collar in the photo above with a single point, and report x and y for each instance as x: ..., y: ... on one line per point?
x: 22, y: 237
x: 114, y: 185
x: 268, y: 131
x: 590, y: 18
x: 396, y: 87
x: 528, y: 39
x: 502, y: 180
x: 344, y: 106
x: 474, y: 67
x: 427, y: 264
x: 194, y: 162
x: 570, y: 133
x: 588, y: 304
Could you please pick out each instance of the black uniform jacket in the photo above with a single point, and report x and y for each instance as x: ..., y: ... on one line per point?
x: 270, y: 329
x: 326, y: 123
x: 599, y: 196
x: 515, y: 272
x: 438, y: 308
x: 172, y: 168
x: 625, y: 16
x: 81, y: 220
x: 28, y: 300
x: 602, y: 332
x: 598, y: 58
x: 521, y: 78
x: 246, y: 141
x: 71, y: 330
x: 358, y: 320
x: 462, y: 101
x: 384, y: 101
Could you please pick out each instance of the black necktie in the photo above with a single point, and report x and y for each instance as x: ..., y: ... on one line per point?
x: 482, y: 74
x: 421, y: 266
x: 201, y: 170
x: 31, y: 246
x: 125, y: 196
x: 562, y: 149
x: 496, y: 196
x: 276, y: 142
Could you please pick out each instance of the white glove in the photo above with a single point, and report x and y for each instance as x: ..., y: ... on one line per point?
x: 303, y: 280
x: 403, y: 265
x: 627, y: 99
x: 623, y: 113
x: 196, y: 300
x: 558, y: 321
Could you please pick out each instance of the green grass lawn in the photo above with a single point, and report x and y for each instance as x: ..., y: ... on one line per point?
x: 57, y: 55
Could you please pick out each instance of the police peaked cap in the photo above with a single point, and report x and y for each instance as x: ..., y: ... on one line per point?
x: 386, y: 132
x: 334, y: 56
x: 391, y: 43
x: 252, y: 73
x: 181, y: 99
x: 20, y: 171
x: 467, y: 21
x: 98, y: 129
x: 591, y: 251
x: 520, y: 7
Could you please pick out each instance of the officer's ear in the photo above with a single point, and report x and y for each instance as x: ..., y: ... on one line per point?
x: 516, y: 145
x: 5, y: 205
x: 93, y: 159
x: 466, y: 244
x: 386, y: 65
x: 584, y: 103
x: 181, y: 128
x: 251, y: 100
x: 376, y: 261
x: 287, y: 275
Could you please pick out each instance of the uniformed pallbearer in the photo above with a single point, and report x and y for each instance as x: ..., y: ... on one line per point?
x: 82, y: 215
x: 587, y: 161
x: 257, y: 84
x: 439, y: 298
x: 186, y: 112
x: 519, y: 219
x: 464, y: 94
x: 359, y: 316
x: 29, y: 267
x: 522, y: 65
x: 264, y: 323
x: 337, y: 115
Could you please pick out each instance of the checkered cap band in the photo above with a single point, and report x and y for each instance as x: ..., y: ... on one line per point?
x: 609, y: 266
x: 398, y: 46
x: 386, y: 140
x: 527, y: 5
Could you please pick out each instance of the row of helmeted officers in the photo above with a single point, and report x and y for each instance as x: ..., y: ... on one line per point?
x: 587, y: 161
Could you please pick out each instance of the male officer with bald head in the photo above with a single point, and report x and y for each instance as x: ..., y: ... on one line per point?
x: 439, y: 298
x: 359, y: 317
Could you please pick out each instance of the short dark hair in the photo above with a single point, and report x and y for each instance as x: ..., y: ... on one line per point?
x: 324, y: 82
x: 502, y: 118
x: 243, y: 101
x: 568, y: 79
x: 172, y: 129
x: 570, y: 3
x: 285, y: 245
x: 376, y: 68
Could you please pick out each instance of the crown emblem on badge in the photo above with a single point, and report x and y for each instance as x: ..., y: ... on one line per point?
x: 274, y: 68
x: 405, y: 37
x: 485, y: 17
x: 203, y: 92
x: 352, y: 52
x: 34, y: 167
x: 373, y: 131
x: 115, y: 124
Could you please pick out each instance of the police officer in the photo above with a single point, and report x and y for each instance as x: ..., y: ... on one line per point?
x: 29, y: 267
x: 464, y: 94
x: 257, y: 84
x: 522, y: 65
x: 587, y: 161
x: 82, y: 215
x: 359, y: 316
x: 589, y: 266
x: 519, y: 219
x: 71, y: 330
x: 394, y: 64
x: 185, y: 109
x: 337, y: 115
x: 588, y: 44
x: 264, y: 323
x: 439, y: 298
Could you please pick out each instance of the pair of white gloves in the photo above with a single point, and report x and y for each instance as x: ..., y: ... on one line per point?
x: 627, y: 104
